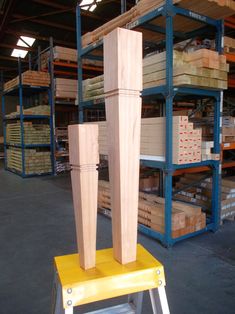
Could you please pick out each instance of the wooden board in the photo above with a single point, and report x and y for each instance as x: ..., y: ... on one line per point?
x: 83, y: 156
x: 123, y: 83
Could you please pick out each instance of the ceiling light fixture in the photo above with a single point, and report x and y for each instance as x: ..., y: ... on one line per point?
x: 89, y: 5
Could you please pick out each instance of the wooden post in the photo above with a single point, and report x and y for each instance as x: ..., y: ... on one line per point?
x: 122, y: 84
x: 84, y: 157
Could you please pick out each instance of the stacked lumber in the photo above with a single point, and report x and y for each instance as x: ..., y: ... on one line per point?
x: 65, y: 88
x: 217, y: 9
x: 185, y: 218
x: 229, y: 44
x: 33, y: 133
x: 201, y: 68
x: 93, y: 88
x: 228, y: 129
x: 33, y: 78
x: 36, y: 162
x: 200, y: 192
x: 37, y: 110
x: 207, y: 151
x: 67, y: 55
x: 149, y: 182
x: 186, y: 139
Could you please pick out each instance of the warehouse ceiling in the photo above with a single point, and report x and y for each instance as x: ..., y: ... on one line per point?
x: 42, y: 19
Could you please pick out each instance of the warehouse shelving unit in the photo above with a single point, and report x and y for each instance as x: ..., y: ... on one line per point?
x: 168, y: 93
x: 25, y: 91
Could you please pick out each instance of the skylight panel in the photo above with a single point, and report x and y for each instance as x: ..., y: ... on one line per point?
x: 25, y: 41
x: 19, y: 53
x: 89, y: 5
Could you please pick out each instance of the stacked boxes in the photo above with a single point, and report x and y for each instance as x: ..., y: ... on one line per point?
x: 186, y: 139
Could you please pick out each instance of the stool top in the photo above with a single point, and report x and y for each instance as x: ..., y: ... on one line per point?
x: 109, y: 278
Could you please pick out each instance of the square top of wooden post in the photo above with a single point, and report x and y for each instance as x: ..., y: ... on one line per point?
x: 122, y: 52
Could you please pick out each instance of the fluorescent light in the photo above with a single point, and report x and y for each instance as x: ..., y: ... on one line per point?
x: 25, y: 41
x: 89, y: 5
x: 19, y: 53
x: 85, y: 2
x: 92, y: 8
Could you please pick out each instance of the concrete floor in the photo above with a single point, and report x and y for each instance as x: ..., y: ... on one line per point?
x: 36, y: 224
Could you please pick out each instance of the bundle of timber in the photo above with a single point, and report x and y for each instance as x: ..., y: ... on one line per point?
x: 229, y: 44
x: 65, y: 88
x: 228, y: 129
x: 201, y: 68
x: 33, y: 78
x: 217, y: 9
x: 36, y: 161
x: 32, y: 111
x: 33, y: 133
x: 207, y: 151
x: 66, y: 55
x: 93, y: 88
x: 149, y: 182
x: 185, y: 218
x: 197, y: 189
x: 186, y: 139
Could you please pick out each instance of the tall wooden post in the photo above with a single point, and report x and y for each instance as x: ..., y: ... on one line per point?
x: 84, y: 157
x: 122, y: 84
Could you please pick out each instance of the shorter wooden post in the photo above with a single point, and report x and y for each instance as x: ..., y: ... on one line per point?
x: 84, y: 157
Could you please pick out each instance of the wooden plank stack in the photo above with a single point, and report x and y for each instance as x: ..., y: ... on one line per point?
x: 200, y: 192
x: 65, y: 88
x: 229, y: 44
x: 201, y: 68
x: 185, y: 218
x: 33, y: 133
x: 66, y: 55
x: 36, y: 161
x: 93, y: 88
x: 228, y: 129
x: 32, y: 78
x: 217, y: 9
x: 37, y: 110
x: 186, y: 139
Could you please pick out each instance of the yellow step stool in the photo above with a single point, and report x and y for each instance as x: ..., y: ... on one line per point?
x: 74, y: 286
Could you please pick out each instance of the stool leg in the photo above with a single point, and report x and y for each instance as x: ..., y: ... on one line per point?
x: 159, y: 301
x: 136, y: 299
x: 57, y: 303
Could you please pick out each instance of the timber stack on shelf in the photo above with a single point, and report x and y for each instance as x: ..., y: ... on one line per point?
x: 62, y: 63
x: 28, y: 132
x: 170, y: 77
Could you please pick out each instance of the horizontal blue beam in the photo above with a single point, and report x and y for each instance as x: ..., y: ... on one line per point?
x: 196, y: 91
x: 91, y: 47
x: 195, y: 16
x: 193, y: 234
x: 151, y: 233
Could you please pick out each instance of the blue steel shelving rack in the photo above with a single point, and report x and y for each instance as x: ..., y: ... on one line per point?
x: 169, y: 92
x: 25, y: 91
